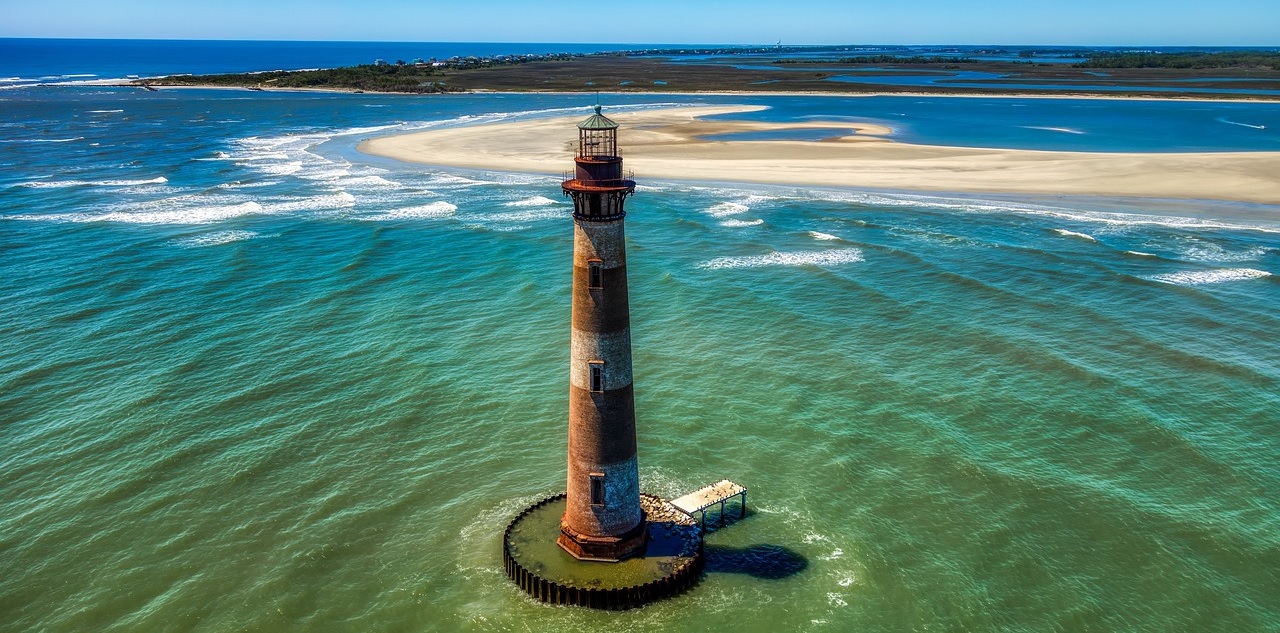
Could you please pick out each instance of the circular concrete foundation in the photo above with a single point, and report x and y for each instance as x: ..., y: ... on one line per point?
x: 670, y: 563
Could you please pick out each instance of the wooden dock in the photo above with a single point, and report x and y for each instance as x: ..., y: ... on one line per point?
x: 715, y: 494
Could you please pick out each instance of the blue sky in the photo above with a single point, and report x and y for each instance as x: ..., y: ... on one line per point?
x: 1100, y: 22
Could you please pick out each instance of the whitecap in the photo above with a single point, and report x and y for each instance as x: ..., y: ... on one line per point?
x: 216, y: 238
x: 1199, y: 277
x: 54, y: 184
x: 105, y: 111
x: 509, y: 228
x: 1249, y: 125
x: 338, y: 200
x: 826, y: 237
x: 536, y: 201
x: 451, y: 181
x: 1083, y: 236
x: 248, y: 185
x: 330, y: 172
x: 734, y: 224
x: 533, y: 214
x: 722, y: 209
x: 835, y: 600
x: 367, y: 181
x: 1064, y: 130
x: 432, y: 210
x: 281, y: 169
x: 1210, y: 252
x: 42, y: 140
x: 1141, y: 254
x: 182, y: 215
x: 832, y: 257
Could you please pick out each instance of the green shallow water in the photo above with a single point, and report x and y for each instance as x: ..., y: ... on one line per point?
x: 952, y: 414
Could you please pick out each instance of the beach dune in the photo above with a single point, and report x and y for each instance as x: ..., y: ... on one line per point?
x: 672, y: 144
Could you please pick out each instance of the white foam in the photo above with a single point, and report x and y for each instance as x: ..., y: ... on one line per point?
x: 509, y: 228
x: 836, y: 553
x: 282, y: 169
x: 432, y: 210
x: 1064, y: 130
x: 247, y: 185
x: 1249, y: 125
x: 1083, y: 236
x: 723, y: 209
x: 1199, y: 277
x: 1125, y: 219
x: 1210, y: 252
x: 734, y: 224
x: 181, y: 215
x: 536, y: 201
x: 216, y: 238
x: 533, y: 214
x: 105, y: 111
x: 1141, y: 254
x: 832, y: 257
x: 846, y: 581
x: 331, y: 172
x: 450, y: 181
x: 54, y: 184
x: 253, y: 156
x: 367, y: 181
x: 42, y: 140
x: 835, y: 600
x: 339, y: 200
x: 826, y: 237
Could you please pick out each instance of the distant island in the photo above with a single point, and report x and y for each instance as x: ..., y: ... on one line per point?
x: 1231, y: 74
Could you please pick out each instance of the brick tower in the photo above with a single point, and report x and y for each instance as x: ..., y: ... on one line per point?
x: 602, y: 520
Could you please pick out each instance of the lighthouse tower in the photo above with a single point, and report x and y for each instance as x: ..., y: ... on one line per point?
x: 603, y: 520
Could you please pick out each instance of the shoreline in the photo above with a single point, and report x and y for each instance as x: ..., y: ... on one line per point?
x: 669, y: 144
x: 1117, y: 96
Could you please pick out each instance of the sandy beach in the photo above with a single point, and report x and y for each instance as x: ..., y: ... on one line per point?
x: 670, y: 144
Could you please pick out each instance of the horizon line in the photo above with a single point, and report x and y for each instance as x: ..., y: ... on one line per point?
x: 638, y: 44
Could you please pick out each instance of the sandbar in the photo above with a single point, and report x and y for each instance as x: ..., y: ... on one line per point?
x: 672, y: 144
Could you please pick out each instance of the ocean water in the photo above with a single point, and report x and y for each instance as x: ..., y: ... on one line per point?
x: 27, y: 61
x: 252, y: 379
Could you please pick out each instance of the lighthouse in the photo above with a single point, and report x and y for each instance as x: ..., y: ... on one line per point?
x: 603, y: 519
x: 603, y: 516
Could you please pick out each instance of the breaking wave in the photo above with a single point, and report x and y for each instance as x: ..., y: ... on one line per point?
x: 832, y: 257
x: 1200, y: 277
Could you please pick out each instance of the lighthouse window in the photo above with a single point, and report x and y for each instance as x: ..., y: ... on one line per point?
x: 597, y: 489
x: 596, y: 277
x: 596, y: 370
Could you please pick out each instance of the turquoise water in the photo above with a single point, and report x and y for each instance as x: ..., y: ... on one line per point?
x: 253, y: 379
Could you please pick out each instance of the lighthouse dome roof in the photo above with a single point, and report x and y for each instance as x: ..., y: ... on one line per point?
x: 597, y: 121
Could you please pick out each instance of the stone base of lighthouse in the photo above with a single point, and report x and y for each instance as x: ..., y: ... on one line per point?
x: 668, y: 561
x: 607, y: 549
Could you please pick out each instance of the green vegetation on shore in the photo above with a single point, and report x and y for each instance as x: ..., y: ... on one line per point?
x: 1194, y: 60
x: 370, y: 77
x: 1129, y: 74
